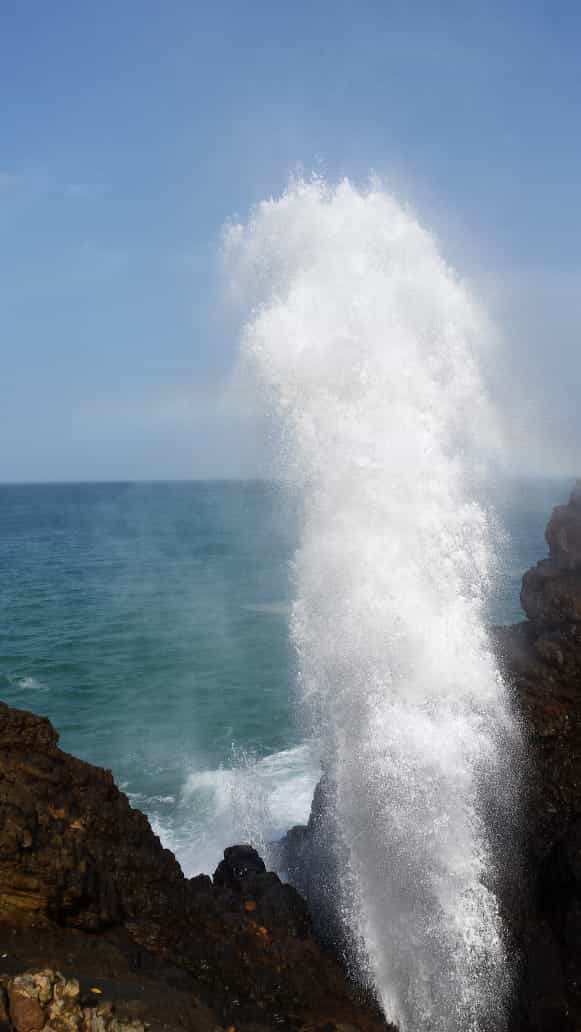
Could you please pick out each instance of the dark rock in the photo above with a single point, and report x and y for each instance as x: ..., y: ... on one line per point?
x: 26, y: 1014
x: 4, y: 1015
x: 551, y: 591
x: 563, y: 533
x: 551, y: 595
x: 72, y: 849
x: 310, y: 856
x: 542, y: 662
x: 273, y: 903
x: 75, y: 858
x: 238, y: 864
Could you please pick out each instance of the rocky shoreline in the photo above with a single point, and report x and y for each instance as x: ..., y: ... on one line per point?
x: 87, y: 890
x: 83, y: 873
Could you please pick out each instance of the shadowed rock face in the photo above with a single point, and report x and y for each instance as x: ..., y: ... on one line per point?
x: 72, y: 850
x: 551, y: 594
x: 75, y: 855
x: 551, y: 591
x: 563, y: 532
x: 542, y: 661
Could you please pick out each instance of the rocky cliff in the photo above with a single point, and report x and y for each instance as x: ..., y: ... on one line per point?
x: 542, y: 661
x: 80, y: 868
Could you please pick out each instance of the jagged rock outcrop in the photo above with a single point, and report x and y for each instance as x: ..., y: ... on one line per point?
x: 563, y: 532
x: 542, y: 661
x: 72, y: 850
x: 309, y: 855
x: 75, y: 855
x: 551, y: 590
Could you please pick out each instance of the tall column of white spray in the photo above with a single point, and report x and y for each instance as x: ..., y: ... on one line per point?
x: 367, y: 348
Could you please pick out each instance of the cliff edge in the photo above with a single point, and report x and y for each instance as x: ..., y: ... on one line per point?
x: 86, y: 886
x: 541, y: 658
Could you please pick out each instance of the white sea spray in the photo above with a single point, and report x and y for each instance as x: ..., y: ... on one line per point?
x: 367, y: 350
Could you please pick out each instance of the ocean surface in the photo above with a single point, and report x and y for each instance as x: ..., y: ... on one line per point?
x: 150, y: 623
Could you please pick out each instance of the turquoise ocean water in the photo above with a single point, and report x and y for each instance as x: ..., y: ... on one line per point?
x: 150, y: 623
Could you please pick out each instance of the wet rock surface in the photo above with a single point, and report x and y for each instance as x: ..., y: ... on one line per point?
x: 80, y: 867
x: 542, y: 661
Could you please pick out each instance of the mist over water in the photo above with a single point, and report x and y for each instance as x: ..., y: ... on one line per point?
x: 367, y: 351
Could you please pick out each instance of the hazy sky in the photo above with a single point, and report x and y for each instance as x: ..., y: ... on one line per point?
x: 131, y: 129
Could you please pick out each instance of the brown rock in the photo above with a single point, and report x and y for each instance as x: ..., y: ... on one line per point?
x: 563, y: 533
x: 4, y: 1016
x: 72, y: 849
x: 551, y: 595
x: 74, y: 854
x: 551, y: 591
x: 64, y: 1012
x: 542, y: 661
x: 26, y: 1013
x: 45, y: 999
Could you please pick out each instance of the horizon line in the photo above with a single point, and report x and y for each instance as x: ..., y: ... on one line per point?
x: 227, y: 480
x: 137, y: 480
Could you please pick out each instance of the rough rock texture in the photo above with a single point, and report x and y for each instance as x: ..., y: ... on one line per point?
x: 563, y: 532
x: 309, y: 855
x: 46, y: 1000
x: 111, y: 970
x: 542, y: 660
x: 72, y: 850
x: 75, y: 855
x: 551, y: 591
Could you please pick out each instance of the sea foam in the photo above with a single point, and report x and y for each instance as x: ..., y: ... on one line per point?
x: 248, y: 800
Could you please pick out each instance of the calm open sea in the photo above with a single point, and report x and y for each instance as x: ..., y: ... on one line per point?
x: 150, y: 623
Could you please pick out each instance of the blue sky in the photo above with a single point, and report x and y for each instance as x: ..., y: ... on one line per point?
x: 132, y: 129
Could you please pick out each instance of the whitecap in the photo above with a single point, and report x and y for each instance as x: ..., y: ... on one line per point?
x: 252, y: 800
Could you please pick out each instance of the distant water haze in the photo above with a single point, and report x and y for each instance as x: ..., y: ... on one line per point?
x: 368, y: 356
